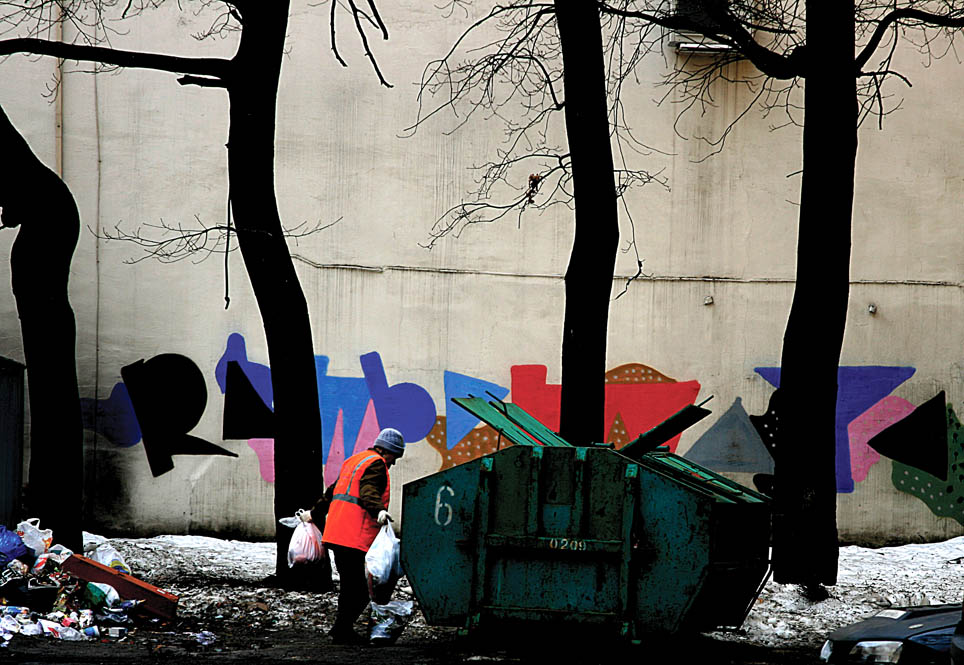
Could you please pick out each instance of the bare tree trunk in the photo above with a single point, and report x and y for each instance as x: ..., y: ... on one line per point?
x: 284, y: 312
x: 593, y: 258
x: 36, y: 199
x: 805, y: 527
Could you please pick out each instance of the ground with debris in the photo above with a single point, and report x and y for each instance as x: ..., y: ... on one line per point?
x: 227, y: 615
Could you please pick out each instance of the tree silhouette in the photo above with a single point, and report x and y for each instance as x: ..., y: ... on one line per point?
x: 250, y: 79
x: 535, y: 62
x: 40, y: 268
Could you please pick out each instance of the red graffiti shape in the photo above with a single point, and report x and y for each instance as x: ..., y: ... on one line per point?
x: 641, y: 406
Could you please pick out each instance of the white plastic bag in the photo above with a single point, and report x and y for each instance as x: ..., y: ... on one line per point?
x: 383, y: 565
x: 37, y: 539
x: 107, y: 555
x: 390, y: 620
x: 305, y: 545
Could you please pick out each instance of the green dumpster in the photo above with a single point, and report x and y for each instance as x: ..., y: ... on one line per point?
x: 543, y: 532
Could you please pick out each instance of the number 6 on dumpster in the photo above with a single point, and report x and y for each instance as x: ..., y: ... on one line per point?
x: 441, y: 505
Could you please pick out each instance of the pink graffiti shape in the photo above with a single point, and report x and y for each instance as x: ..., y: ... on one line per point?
x: 337, y: 453
x: 369, y: 429
x: 264, y: 449
x: 366, y: 437
x: 861, y: 429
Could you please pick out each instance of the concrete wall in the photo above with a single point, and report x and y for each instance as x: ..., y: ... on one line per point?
x: 484, y: 310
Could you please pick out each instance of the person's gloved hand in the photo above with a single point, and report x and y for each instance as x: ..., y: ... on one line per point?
x: 303, y: 515
x: 384, y: 518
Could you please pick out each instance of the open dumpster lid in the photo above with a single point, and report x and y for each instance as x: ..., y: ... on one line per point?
x: 520, y: 428
x: 512, y: 422
x: 650, y: 440
x: 694, y: 475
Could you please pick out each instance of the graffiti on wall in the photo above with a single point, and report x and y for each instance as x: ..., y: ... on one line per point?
x: 353, y: 407
x: 732, y: 444
x: 927, y: 447
x: 925, y: 443
x: 162, y: 399
x: 637, y: 399
x: 858, y: 389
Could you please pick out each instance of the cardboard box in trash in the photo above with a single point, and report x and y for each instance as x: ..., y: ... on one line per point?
x: 156, y: 600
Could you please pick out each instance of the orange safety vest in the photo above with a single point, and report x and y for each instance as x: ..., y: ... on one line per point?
x: 349, y: 524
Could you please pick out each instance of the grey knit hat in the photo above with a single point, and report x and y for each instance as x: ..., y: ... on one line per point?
x: 391, y: 440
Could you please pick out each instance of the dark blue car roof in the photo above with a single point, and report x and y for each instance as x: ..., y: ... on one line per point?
x: 915, y: 621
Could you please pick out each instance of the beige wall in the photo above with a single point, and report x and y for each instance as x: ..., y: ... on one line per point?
x: 135, y: 148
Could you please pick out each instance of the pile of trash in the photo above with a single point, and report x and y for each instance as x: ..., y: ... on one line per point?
x: 46, y: 589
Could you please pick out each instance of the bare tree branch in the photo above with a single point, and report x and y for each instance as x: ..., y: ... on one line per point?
x: 178, y: 242
x: 207, y: 67
x: 953, y: 19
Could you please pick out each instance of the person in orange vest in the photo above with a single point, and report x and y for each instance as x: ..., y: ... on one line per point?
x: 358, y: 508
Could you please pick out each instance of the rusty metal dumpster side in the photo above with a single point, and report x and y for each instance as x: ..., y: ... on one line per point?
x: 671, y: 558
x: 438, y: 540
x: 556, y: 547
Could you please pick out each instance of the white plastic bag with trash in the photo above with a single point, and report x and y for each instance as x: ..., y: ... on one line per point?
x: 305, y: 545
x: 37, y: 539
x: 383, y: 565
x: 97, y: 548
x: 110, y: 557
x: 390, y: 620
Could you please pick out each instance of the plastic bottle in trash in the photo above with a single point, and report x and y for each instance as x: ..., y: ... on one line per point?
x: 92, y: 631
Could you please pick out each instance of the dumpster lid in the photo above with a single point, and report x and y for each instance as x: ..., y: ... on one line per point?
x: 519, y: 427
x: 650, y: 440
x: 512, y: 422
x: 690, y: 473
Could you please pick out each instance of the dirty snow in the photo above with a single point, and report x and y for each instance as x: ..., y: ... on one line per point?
x: 868, y: 580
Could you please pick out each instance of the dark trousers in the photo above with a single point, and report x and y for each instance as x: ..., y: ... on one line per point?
x: 353, y: 588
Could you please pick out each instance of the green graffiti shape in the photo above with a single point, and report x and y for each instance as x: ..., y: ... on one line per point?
x: 944, y: 498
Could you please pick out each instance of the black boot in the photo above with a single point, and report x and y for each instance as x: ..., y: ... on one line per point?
x: 346, y: 635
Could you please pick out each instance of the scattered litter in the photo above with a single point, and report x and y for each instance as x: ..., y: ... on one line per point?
x: 37, y: 539
x: 48, y: 590
x: 204, y: 638
x: 219, y: 577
